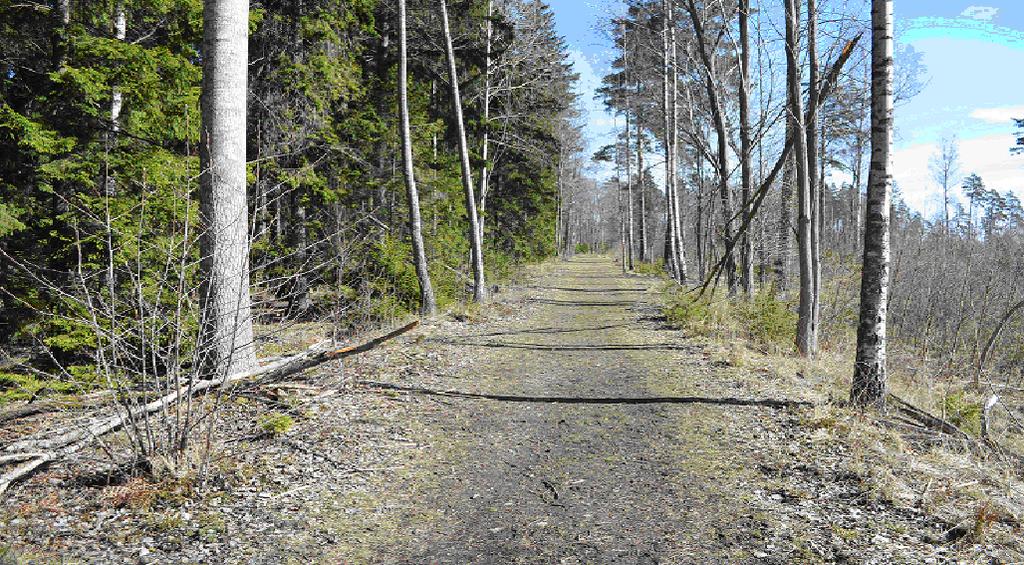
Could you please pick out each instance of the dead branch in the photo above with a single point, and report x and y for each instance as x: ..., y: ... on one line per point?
x: 70, y: 441
x: 26, y: 409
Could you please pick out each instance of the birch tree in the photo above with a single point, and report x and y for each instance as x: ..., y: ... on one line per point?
x: 428, y: 304
x: 869, y: 376
x: 814, y: 183
x: 476, y: 249
x: 746, y: 171
x: 806, y: 332
x: 226, y: 332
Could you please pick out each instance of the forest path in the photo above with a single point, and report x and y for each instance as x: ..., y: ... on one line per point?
x: 564, y: 423
x: 556, y: 455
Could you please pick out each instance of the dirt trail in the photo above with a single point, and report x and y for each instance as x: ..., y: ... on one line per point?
x: 564, y: 424
x: 592, y: 473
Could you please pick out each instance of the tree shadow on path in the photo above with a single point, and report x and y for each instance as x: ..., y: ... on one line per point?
x: 722, y: 401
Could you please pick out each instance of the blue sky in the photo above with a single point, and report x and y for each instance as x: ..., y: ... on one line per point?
x: 974, y: 53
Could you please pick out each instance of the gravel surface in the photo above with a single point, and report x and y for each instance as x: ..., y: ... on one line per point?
x: 525, y: 433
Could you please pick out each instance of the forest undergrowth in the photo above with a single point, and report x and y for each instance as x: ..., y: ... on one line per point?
x: 970, y: 484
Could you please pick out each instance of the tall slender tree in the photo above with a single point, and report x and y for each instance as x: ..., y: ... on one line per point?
x: 869, y: 374
x: 805, y: 338
x: 226, y: 329
x: 746, y: 172
x: 476, y: 246
x: 428, y: 304
x: 814, y: 183
x: 485, y: 145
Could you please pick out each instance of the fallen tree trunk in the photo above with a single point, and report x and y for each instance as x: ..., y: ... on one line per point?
x: 47, y: 450
x: 26, y: 409
x: 928, y: 420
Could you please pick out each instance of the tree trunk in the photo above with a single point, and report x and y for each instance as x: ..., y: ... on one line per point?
x: 59, y: 33
x: 747, y: 174
x: 428, y: 304
x: 869, y: 376
x: 815, y: 186
x: 642, y: 185
x: 786, y: 215
x: 671, y: 252
x: 629, y: 165
x: 116, y: 103
x: 226, y: 338
x: 677, y: 230
x: 299, y: 303
x: 476, y: 247
x: 485, y: 145
x: 722, y: 135
x: 805, y: 340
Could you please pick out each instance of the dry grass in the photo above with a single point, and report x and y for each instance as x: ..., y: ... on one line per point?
x: 979, y: 495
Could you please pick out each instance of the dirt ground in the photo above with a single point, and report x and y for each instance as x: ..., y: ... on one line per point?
x: 563, y: 424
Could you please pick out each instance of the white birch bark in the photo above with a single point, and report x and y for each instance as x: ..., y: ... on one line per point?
x: 226, y: 327
x: 428, y: 304
x: 476, y: 249
x: 869, y: 376
x: 485, y: 149
x: 804, y: 335
x: 813, y: 181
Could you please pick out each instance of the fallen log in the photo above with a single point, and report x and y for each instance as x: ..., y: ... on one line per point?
x: 928, y: 420
x: 65, y: 443
x: 26, y: 409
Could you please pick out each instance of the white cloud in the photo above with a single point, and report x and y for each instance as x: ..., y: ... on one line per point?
x: 988, y: 156
x: 1002, y: 115
x: 983, y: 13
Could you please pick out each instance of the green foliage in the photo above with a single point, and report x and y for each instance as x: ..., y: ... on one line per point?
x: 765, y: 321
x: 112, y: 213
x: 276, y: 424
x: 768, y: 320
x: 19, y: 386
x: 962, y: 412
x: 655, y: 268
x: 582, y: 248
x: 697, y: 315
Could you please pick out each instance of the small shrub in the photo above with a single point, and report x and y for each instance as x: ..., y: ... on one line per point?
x: 962, y: 412
x: 276, y: 424
x: 582, y: 248
x: 701, y: 316
x: 16, y: 386
x: 769, y: 321
x: 655, y: 268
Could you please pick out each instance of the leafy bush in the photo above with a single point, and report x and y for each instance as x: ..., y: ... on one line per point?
x: 962, y: 412
x: 655, y: 268
x: 582, y: 248
x: 768, y: 320
x: 701, y: 316
x: 15, y: 386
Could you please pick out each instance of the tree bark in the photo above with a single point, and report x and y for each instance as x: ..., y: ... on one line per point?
x: 722, y: 138
x: 642, y: 184
x: 671, y: 251
x: 629, y: 160
x: 226, y: 338
x: 476, y: 247
x: 428, y: 304
x: 815, y: 187
x: 746, y: 172
x: 485, y: 145
x: 869, y: 377
x: 805, y: 339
